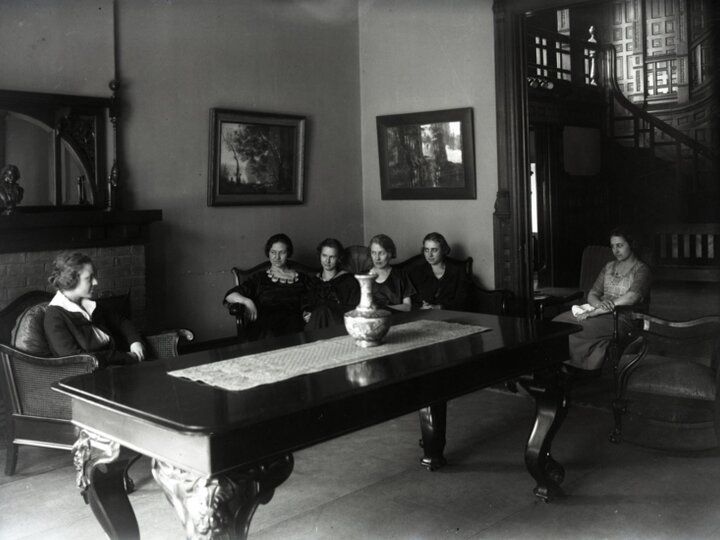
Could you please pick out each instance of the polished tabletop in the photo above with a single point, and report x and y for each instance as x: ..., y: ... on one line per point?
x: 208, y: 429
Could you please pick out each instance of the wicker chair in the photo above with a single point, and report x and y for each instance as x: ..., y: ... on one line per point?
x: 36, y: 415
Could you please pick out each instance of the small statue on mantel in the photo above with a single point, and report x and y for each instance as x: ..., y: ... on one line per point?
x: 10, y: 191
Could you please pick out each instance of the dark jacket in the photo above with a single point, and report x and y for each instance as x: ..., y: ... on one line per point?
x: 71, y: 333
x: 452, y: 291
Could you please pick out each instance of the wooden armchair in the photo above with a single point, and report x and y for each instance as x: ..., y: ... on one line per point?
x: 35, y: 415
x: 667, y: 385
x: 552, y: 301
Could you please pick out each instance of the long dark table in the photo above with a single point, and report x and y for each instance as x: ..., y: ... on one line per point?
x: 218, y: 454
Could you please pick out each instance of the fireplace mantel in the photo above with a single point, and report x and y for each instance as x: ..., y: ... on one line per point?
x: 27, y: 230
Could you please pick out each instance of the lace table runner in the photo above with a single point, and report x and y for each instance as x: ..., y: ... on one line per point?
x: 269, y: 367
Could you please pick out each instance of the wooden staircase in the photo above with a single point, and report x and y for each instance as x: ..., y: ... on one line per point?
x: 690, y: 168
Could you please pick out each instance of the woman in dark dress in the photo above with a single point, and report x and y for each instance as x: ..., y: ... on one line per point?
x: 441, y: 283
x: 332, y: 292
x: 272, y: 297
x: 74, y: 323
x: 392, y: 289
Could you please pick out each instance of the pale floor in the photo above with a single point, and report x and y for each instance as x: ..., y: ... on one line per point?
x: 369, y: 485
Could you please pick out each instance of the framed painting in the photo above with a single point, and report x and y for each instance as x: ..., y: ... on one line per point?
x: 255, y: 158
x: 427, y: 155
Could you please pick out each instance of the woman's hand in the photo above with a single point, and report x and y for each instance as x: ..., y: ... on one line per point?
x: 138, y: 350
x: 252, y: 311
x: 600, y: 309
x: 306, y: 316
x: 425, y: 305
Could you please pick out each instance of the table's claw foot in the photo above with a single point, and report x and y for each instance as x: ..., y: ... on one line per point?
x: 101, y: 466
x: 551, y: 409
x: 221, y: 506
x: 433, y: 421
x: 548, y: 492
x: 433, y: 464
x: 554, y: 470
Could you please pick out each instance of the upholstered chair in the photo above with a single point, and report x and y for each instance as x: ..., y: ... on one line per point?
x: 35, y: 414
x: 667, y: 385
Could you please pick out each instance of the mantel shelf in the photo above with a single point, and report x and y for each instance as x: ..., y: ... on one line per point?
x: 31, y: 230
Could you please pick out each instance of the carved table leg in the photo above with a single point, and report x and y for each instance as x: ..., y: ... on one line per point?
x: 221, y: 506
x: 433, y: 421
x: 101, y: 465
x: 551, y: 409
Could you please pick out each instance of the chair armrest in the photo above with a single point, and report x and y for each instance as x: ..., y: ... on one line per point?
x: 555, y: 300
x: 165, y: 344
x: 494, y: 301
x: 27, y: 380
x: 239, y: 311
x: 236, y: 310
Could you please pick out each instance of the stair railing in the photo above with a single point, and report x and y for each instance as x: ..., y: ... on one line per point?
x: 646, y: 123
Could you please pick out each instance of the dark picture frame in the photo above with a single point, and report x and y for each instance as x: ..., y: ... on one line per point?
x: 255, y: 158
x: 427, y: 155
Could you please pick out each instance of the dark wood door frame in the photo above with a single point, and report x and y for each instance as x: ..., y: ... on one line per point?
x: 511, y: 218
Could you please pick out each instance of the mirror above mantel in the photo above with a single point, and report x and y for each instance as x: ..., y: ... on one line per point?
x: 63, y: 147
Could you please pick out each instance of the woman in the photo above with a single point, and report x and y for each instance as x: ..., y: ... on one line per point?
x: 393, y: 289
x: 622, y: 282
x: 75, y: 324
x: 333, y: 291
x: 441, y: 283
x: 273, y: 297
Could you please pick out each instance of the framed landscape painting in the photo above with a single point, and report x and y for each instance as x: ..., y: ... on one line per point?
x: 255, y: 158
x: 427, y: 155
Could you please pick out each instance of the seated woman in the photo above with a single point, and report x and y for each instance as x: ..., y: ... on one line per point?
x: 74, y: 323
x: 393, y: 289
x: 441, y: 283
x: 332, y: 292
x: 623, y: 282
x: 273, y: 297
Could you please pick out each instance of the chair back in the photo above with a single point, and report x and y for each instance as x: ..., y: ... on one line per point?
x: 28, y: 334
x: 594, y: 259
x: 10, y: 313
x: 696, y: 340
x: 356, y: 260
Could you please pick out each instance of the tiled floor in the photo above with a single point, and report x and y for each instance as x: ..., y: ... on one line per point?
x: 369, y: 485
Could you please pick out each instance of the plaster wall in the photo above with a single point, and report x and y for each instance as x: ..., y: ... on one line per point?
x: 424, y: 55
x: 176, y: 61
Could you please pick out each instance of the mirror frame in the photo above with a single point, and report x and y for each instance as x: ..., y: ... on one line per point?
x: 81, y: 123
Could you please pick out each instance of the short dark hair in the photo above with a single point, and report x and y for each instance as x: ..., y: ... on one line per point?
x: 332, y: 243
x: 282, y: 238
x: 440, y: 239
x: 385, y: 242
x: 66, y: 270
x: 626, y: 235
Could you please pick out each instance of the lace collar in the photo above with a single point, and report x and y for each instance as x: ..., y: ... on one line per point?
x: 285, y: 281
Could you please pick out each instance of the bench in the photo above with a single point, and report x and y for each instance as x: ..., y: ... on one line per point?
x: 357, y: 260
x: 685, y: 261
x: 685, y: 252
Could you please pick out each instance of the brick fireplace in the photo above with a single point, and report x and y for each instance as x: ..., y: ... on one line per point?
x: 115, y: 240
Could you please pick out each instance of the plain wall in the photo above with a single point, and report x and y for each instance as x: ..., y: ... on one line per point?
x: 176, y: 61
x: 340, y: 63
x: 425, y: 55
